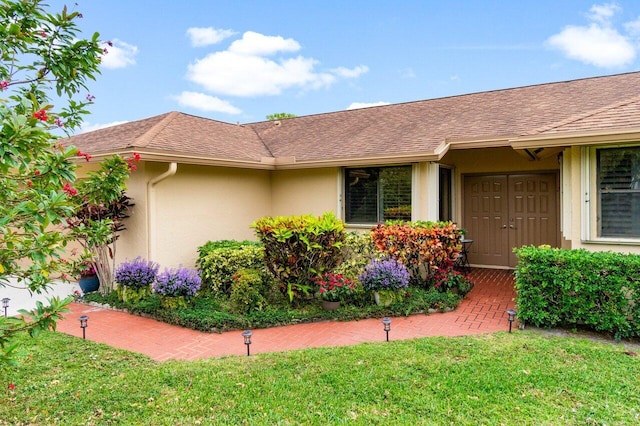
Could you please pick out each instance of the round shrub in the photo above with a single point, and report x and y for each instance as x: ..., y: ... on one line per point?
x: 137, y: 273
x: 178, y: 282
x: 246, y: 295
x: 387, y: 274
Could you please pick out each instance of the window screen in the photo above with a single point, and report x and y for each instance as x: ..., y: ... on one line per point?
x: 377, y: 194
x: 619, y: 192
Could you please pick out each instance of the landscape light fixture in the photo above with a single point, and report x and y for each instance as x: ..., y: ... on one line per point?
x: 83, y: 325
x: 387, y: 326
x: 512, y: 317
x: 5, y: 305
x: 247, y: 339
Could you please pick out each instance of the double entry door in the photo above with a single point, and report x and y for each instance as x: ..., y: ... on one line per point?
x: 509, y: 210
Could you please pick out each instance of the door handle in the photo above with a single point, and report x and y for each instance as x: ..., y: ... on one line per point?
x: 512, y: 227
x: 504, y: 226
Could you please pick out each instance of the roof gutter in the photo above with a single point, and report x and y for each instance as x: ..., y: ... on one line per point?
x: 151, y: 213
x: 595, y: 137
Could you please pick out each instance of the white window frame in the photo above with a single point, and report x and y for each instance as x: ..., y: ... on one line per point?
x: 590, y: 201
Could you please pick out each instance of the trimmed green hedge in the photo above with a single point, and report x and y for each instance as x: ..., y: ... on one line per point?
x: 218, y: 261
x: 598, y: 290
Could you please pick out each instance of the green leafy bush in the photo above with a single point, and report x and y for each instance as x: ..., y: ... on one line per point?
x: 598, y: 290
x: 210, y: 246
x: 357, y: 252
x: 246, y: 292
x: 218, y: 261
x: 299, y: 248
x: 423, y: 247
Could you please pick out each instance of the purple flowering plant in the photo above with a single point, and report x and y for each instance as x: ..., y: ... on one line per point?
x: 178, y: 282
x: 137, y: 273
x: 387, y: 274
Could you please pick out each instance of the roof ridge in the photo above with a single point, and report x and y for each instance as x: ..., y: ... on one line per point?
x: 254, y: 130
x: 146, y: 138
x: 459, y: 95
x: 584, y: 115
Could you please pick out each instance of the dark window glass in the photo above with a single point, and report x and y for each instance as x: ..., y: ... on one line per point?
x: 445, y: 194
x: 377, y: 194
x: 619, y: 192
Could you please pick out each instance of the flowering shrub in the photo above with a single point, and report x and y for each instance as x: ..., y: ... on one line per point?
x: 388, y: 274
x: 85, y: 269
x: 178, y: 282
x: 448, y: 279
x: 334, y: 287
x: 137, y: 273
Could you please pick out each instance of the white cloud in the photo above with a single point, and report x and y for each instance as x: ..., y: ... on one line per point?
x: 258, y: 65
x: 119, y: 54
x: 633, y: 28
x: 257, y: 44
x: 598, y: 43
x: 603, y: 13
x: 358, y: 105
x: 350, y: 73
x: 204, y: 102
x: 207, y: 36
x: 88, y: 127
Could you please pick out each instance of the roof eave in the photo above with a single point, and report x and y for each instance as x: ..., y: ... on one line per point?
x: 482, y: 142
x: 592, y: 137
x: 166, y: 157
x: 379, y: 160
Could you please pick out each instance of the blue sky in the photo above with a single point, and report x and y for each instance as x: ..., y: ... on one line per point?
x: 237, y: 61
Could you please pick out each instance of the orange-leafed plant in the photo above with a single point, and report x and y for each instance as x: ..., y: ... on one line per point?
x: 423, y: 247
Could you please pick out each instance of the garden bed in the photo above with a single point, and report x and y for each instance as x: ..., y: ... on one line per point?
x: 210, y: 314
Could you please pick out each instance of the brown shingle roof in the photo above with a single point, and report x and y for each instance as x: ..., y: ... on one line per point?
x: 177, y: 133
x: 600, y: 103
x: 621, y: 115
x: 424, y: 125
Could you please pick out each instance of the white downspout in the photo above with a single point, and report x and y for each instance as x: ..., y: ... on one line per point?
x: 151, y: 216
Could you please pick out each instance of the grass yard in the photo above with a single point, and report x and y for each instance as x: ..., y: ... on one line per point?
x: 520, y: 378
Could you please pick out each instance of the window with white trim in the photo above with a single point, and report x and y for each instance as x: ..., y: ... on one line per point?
x: 376, y: 194
x: 618, y: 189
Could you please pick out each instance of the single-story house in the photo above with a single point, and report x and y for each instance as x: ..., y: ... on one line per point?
x: 555, y: 164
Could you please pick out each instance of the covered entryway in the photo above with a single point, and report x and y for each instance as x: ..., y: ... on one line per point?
x: 509, y: 210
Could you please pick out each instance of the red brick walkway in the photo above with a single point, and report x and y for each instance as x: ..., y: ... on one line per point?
x: 482, y: 311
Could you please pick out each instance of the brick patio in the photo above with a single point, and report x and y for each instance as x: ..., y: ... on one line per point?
x: 482, y: 311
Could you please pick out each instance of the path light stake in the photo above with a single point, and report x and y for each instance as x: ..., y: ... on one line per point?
x: 83, y: 325
x: 5, y: 305
x: 247, y: 339
x: 512, y: 316
x: 387, y: 326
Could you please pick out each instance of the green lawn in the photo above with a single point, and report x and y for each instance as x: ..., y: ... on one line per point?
x: 518, y: 378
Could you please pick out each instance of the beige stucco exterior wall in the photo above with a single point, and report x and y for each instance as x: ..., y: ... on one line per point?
x: 199, y: 204
x: 307, y: 191
x: 133, y: 241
